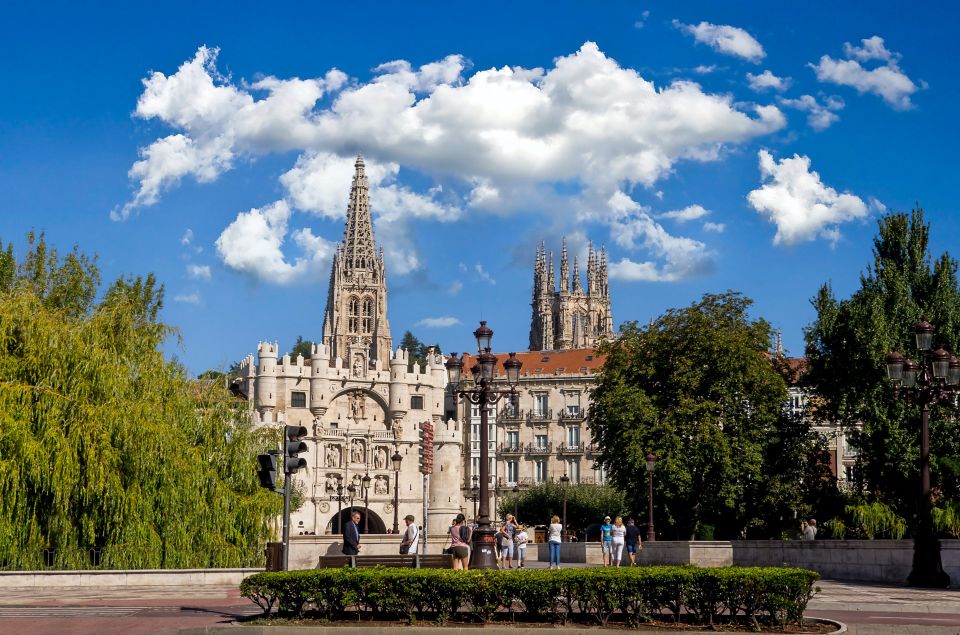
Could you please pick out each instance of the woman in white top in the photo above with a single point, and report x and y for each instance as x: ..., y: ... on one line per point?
x: 619, y: 534
x: 520, y: 544
x: 554, y: 534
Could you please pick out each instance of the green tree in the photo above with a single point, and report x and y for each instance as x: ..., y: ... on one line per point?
x: 697, y: 387
x: 847, y: 346
x: 586, y: 504
x: 106, y: 445
x: 417, y: 350
x: 302, y: 347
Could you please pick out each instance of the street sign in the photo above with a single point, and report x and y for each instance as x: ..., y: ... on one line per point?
x: 426, y: 447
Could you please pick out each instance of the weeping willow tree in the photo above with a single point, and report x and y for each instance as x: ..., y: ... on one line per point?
x: 106, y: 445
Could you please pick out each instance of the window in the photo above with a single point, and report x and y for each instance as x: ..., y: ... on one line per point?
x: 573, y: 436
x: 474, y: 469
x: 513, y: 440
x: 849, y: 449
x: 416, y: 402
x: 572, y: 404
x: 512, y: 472
x: 848, y: 472
x: 368, y: 315
x: 541, y: 441
x: 540, y: 404
x: 540, y: 469
x: 573, y: 471
x: 353, y: 316
x: 600, y: 474
x: 298, y: 400
x: 475, y: 437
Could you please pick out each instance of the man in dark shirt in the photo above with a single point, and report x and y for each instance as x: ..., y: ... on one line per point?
x: 633, y: 541
x: 351, y: 535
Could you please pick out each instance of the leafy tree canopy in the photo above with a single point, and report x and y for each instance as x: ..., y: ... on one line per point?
x: 697, y: 388
x: 106, y: 445
x: 847, y: 347
x: 586, y: 504
x: 302, y: 347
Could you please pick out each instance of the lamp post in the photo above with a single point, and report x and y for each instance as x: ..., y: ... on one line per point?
x: 339, y: 497
x: 934, y: 380
x: 483, y: 394
x: 365, y: 485
x: 651, y: 464
x: 564, y: 480
x: 516, y: 499
x: 475, y: 496
x: 397, y: 459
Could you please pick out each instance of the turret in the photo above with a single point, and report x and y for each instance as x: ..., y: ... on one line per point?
x: 319, y: 371
x: 447, y: 478
x: 266, y: 393
x: 399, y: 393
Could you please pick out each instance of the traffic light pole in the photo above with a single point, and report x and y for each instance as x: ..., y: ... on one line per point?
x: 286, y: 521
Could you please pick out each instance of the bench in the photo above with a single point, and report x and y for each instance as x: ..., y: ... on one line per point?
x: 412, y: 561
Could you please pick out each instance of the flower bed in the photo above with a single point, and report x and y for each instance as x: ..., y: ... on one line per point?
x: 749, y: 595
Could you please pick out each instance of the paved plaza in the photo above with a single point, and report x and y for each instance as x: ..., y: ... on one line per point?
x: 866, y: 609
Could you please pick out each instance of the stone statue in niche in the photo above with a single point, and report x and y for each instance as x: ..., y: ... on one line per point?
x: 358, y: 451
x: 330, y: 485
x: 381, y: 486
x: 380, y: 458
x: 357, y: 405
x: 333, y: 456
x: 358, y: 366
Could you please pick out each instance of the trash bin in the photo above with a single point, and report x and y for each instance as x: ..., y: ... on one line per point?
x: 274, y: 552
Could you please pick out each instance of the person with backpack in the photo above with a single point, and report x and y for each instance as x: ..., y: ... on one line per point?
x: 460, y: 543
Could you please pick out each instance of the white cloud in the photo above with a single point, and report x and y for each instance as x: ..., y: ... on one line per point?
x: 801, y: 206
x: 688, y: 213
x: 766, y: 79
x: 821, y: 116
x: 187, y: 238
x: 726, y: 39
x: 439, y: 322
x: 714, y: 227
x: 633, y: 227
x: 886, y: 81
x: 643, y: 19
x: 187, y: 298
x: 252, y: 244
x: 483, y: 274
x: 455, y: 287
x: 199, y: 272
x: 704, y: 69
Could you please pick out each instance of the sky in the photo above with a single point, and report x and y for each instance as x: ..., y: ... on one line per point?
x: 708, y: 146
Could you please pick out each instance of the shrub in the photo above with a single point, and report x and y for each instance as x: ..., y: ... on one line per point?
x: 772, y: 595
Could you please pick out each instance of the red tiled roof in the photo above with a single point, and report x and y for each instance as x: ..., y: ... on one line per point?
x: 567, y: 362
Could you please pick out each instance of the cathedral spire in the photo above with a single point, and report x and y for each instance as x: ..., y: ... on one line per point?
x: 576, y: 276
x: 591, y: 270
x: 564, y: 268
x: 358, y: 247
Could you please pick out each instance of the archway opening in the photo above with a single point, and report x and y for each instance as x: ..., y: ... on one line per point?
x: 368, y: 518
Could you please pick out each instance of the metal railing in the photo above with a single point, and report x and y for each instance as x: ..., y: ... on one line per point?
x: 539, y: 448
x: 510, y: 448
x: 567, y: 448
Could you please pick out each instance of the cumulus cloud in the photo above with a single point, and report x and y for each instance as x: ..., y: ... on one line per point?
x: 691, y: 212
x: 187, y: 238
x: 767, y: 80
x: 887, y: 80
x: 802, y: 207
x: 439, y: 322
x: 820, y: 115
x: 500, y: 138
x: 199, y: 272
x: 714, y: 227
x: 253, y: 243
x: 726, y: 39
x: 633, y: 227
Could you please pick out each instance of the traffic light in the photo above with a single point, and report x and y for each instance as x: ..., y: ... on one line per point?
x: 292, y: 462
x: 268, y: 470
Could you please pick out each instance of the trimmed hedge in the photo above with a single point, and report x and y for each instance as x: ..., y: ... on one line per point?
x: 775, y: 596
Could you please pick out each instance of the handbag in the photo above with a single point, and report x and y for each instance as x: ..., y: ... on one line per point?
x: 448, y: 551
x: 404, y: 549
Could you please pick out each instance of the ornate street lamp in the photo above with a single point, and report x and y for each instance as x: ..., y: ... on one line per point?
x: 483, y: 394
x: 396, y: 459
x: 651, y: 464
x: 365, y: 485
x: 351, y: 491
x: 339, y: 497
x: 516, y: 499
x: 564, y: 481
x: 475, y: 496
x: 934, y: 380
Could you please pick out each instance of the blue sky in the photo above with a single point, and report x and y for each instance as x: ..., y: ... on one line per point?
x: 709, y: 146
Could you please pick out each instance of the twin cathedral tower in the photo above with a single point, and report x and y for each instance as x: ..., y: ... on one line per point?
x: 363, y: 402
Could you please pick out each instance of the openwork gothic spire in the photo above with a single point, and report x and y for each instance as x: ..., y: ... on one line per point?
x: 358, y: 248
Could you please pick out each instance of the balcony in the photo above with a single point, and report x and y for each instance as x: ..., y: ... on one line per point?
x: 509, y: 414
x: 576, y: 448
x: 572, y: 415
x: 593, y: 449
x: 510, y: 448
x: 539, y: 416
x: 540, y: 449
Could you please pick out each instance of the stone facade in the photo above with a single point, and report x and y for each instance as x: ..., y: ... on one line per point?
x: 570, y: 317
x: 359, y: 401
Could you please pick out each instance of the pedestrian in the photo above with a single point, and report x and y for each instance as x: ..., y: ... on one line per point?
x: 505, y: 544
x: 520, y: 540
x: 351, y: 535
x: 411, y: 537
x: 606, y: 541
x: 633, y: 541
x: 808, y: 529
x: 554, y: 533
x: 618, y: 535
x: 459, y: 545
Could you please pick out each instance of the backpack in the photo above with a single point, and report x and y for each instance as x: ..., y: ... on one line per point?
x: 464, y: 533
